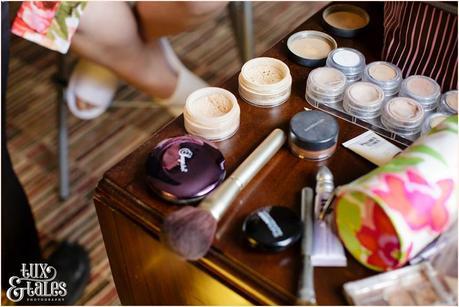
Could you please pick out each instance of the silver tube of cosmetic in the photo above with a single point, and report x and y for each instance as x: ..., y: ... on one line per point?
x: 306, y: 294
x: 219, y: 200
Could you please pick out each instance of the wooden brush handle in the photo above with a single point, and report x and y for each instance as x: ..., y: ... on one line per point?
x: 220, y: 200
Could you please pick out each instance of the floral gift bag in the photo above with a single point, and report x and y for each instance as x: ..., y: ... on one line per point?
x: 48, y: 23
x: 389, y: 215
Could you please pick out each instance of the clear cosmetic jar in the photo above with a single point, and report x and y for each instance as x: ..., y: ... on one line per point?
x: 313, y: 135
x: 386, y: 75
x: 448, y: 103
x: 265, y: 82
x: 325, y: 85
x: 423, y: 89
x: 212, y: 113
x: 363, y: 100
x: 402, y: 115
x: 433, y: 120
x: 349, y: 61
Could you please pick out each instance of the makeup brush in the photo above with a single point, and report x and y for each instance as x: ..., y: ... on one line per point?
x: 190, y: 231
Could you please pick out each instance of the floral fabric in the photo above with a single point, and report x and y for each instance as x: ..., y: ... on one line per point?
x: 48, y: 23
x: 392, y: 213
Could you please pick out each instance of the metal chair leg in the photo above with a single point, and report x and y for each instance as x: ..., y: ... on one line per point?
x: 64, y: 182
x: 241, y: 16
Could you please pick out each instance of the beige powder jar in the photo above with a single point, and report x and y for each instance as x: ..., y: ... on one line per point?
x: 212, y: 113
x: 265, y: 82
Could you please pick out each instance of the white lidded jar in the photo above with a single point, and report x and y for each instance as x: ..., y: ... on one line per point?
x: 212, y: 113
x: 265, y: 82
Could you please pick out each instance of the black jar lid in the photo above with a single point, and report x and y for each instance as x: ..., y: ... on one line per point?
x: 272, y: 228
x: 314, y: 130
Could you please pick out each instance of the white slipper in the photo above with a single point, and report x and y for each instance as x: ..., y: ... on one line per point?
x: 187, y: 82
x: 93, y: 84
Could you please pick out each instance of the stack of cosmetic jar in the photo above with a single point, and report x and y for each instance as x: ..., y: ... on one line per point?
x: 325, y: 85
x: 432, y: 121
x: 363, y: 100
x: 448, y: 103
x: 349, y: 61
x: 386, y: 75
x: 423, y: 89
x: 403, y: 116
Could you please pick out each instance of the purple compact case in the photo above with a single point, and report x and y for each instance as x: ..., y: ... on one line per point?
x: 184, y: 169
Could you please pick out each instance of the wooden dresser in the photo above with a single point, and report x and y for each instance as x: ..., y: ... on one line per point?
x: 130, y: 215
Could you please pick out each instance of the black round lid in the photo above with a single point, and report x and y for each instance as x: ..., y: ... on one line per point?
x: 314, y: 130
x: 272, y: 228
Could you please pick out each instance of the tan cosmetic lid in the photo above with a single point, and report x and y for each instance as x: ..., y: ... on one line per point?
x: 365, y: 94
x: 451, y: 100
x: 310, y: 47
x: 346, y: 20
x: 420, y: 87
x: 382, y: 72
x: 404, y: 109
x: 264, y: 74
x: 213, y: 105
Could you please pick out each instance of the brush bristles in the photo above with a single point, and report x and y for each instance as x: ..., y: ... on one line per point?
x: 189, y: 232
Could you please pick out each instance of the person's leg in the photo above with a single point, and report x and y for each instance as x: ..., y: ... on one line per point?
x: 158, y: 19
x: 19, y: 237
x: 108, y: 35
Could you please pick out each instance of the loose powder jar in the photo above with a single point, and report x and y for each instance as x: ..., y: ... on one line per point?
x: 448, y: 103
x: 184, y: 169
x: 423, y: 89
x: 325, y: 85
x: 345, y: 20
x: 363, y: 100
x: 265, y: 82
x: 386, y: 75
x: 310, y: 48
x: 212, y: 113
x: 433, y: 120
x: 313, y: 135
x: 349, y: 61
x: 402, y: 115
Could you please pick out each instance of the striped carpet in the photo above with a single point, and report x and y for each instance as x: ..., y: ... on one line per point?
x: 96, y: 145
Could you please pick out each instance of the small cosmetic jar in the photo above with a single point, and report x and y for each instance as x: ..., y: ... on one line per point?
x: 184, y: 169
x: 313, y: 135
x: 402, y: 115
x: 363, y: 100
x: 325, y: 85
x: 212, y: 113
x: 448, y: 103
x: 433, y: 120
x: 345, y: 20
x: 386, y: 75
x: 423, y: 89
x: 272, y: 228
x: 265, y: 82
x: 310, y: 48
x: 349, y: 61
